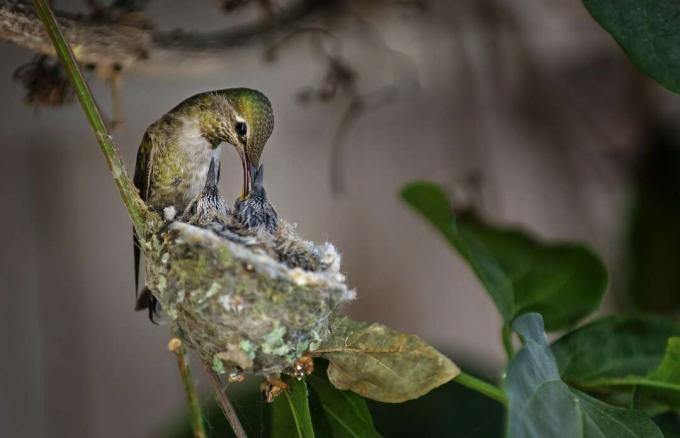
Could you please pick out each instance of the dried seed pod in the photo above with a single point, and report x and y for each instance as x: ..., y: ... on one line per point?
x: 45, y: 82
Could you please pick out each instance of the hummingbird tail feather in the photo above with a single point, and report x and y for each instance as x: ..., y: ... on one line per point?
x: 146, y: 300
x: 135, y: 248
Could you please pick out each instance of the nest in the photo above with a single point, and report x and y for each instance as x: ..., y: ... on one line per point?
x: 245, y: 300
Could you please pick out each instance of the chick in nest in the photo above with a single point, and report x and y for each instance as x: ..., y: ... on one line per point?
x: 255, y: 211
x: 209, y: 206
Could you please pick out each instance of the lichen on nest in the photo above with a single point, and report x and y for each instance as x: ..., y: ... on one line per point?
x: 245, y: 299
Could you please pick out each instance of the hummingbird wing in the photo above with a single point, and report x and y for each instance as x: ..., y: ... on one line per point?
x: 141, y: 179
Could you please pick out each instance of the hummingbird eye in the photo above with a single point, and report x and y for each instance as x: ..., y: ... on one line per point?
x: 241, y: 129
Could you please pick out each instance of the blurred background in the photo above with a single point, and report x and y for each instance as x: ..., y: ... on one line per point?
x: 526, y: 110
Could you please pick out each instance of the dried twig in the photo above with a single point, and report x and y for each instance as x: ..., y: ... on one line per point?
x: 123, y: 45
x: 225, y: 404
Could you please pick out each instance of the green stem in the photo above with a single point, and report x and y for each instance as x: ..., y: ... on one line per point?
x: 482, y: 387
x: 507, y: 341
x: 136, y: 208
x: 176, y: 347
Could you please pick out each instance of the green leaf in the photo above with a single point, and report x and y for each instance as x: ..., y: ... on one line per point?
x: 564, y: 282
x: 290, y: 412
x: 542, y: 405
x: 648, y: 31
x: 346, y: 413
x: 632, y: 356
x: 382, y: 364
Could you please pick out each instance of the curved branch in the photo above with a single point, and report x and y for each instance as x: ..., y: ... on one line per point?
x: 122, y: 46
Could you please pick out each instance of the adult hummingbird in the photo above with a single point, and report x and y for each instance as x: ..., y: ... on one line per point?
x: 175, y: 154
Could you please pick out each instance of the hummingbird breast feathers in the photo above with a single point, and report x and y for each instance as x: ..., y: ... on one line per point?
x: 179, y: 162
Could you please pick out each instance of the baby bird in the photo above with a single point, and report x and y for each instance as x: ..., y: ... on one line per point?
x: 255, y: 211
x: 209, y: 206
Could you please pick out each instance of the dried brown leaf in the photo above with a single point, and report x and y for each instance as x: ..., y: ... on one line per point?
x: 383, y: 364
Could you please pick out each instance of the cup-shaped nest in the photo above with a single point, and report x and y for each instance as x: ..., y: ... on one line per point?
x: 245, y: 300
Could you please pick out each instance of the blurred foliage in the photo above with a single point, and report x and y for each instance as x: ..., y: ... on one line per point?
x: 542, y: 405
x: 562, y: 282
x: 448, y: 411
x: 629, y: 359
x: 669, y: 424
x: 621, y: 360
x: 648, y: 32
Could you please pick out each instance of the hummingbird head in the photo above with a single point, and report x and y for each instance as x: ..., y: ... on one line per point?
x: 241, y: 117
x: 248, y: 123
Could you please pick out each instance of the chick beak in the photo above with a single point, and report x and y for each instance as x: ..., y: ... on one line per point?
x: 247, y: 185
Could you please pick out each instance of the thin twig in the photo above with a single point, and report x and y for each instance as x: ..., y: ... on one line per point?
x: 225, y: 404
x: 175, y: 346
x: 136, y: 208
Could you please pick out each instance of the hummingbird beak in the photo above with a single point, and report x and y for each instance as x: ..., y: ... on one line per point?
x: 247, y: 185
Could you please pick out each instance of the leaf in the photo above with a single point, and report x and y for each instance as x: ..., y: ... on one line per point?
x: 346, y: 413
x: 648, y: 31
x: 382, y: 364
x: 563, y: 282
x: 634, y: 356
x: 540, y: 404
x: 290, y: 412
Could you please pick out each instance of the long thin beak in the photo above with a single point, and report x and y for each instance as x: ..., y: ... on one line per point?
x: 247, y: 185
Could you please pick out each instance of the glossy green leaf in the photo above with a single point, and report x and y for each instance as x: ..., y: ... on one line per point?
x: 648, y: 32
x: 383, y: 364
x: 632, y: 356
x: 563, y: 282
x: 290, y: 412
x: 346, y: 413
x: 540, y: 404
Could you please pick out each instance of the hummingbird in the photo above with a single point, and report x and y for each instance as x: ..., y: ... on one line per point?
x: 174, y: 156
x: 255, y: 211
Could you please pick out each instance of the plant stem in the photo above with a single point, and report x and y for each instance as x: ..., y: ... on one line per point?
x: 506, y: 335
x: 175, y: 346
x: 482, y: 387
x: 225, y: 404
x: 136, y: 208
